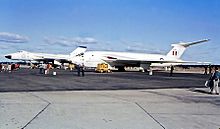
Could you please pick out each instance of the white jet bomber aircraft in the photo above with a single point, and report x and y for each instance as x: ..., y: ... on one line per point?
x: 121, y: 59
x: 57, y: 59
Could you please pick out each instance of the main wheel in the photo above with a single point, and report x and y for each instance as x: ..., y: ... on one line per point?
x: 121, y: 69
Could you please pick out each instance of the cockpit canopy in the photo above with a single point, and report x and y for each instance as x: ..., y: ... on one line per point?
x: 21, y: 51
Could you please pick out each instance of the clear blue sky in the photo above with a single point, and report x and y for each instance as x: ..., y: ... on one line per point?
x: 58, y: 26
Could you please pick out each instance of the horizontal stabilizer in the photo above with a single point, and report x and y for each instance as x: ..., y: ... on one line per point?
x: 194, y: 42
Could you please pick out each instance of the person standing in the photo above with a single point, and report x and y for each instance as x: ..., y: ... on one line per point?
x: 41, y: 67
x: 78, y: 69
x: 9, y: 68
x: 45, y: 68
x: 0, y: 67
x: 210, y: 69
x: 215, y: 77
x: 205, y: 72
x: 171, y: 70
x: 82, y: 69
x: 12, y: 67
x: 3, y: 67
x: 48, y: 68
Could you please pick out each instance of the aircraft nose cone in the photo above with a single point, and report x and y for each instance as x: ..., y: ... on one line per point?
x: 8, y: 56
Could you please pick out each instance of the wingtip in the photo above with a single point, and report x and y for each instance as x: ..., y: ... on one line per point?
x: 207, y: 39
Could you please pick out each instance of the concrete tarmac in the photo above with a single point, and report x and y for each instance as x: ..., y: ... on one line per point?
x: 127, y: 109
x: 127, y: 100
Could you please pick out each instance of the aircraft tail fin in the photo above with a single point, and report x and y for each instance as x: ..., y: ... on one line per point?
x: 78, y: 51
x: 178, y: 49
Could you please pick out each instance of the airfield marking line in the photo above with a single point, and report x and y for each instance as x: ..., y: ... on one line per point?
x: 136, y: 103
x: 149, y: 115
x: 36, y: 116
x: 48, y: 104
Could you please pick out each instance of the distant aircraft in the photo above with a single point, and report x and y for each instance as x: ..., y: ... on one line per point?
x: 121, y: 59
x: 57, y: 59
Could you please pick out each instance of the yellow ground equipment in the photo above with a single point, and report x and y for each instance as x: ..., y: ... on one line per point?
x: 102, y: 68
x: 71, y: 67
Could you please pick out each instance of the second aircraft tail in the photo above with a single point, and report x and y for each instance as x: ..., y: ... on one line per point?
x: 178, y: 49
x: 78, y: 51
